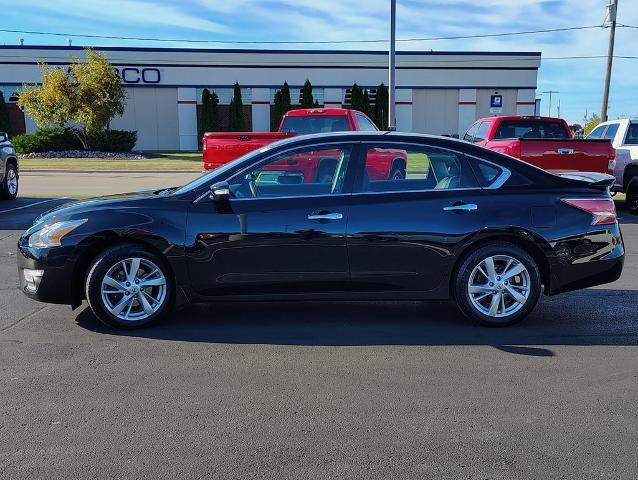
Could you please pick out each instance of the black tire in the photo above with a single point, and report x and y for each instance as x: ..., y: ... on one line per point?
x: 5, y: 192
x: 631, y: 201
x: 101, y: 266
x: 462, y: 280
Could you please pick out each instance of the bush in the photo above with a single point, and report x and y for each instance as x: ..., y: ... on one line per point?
x: 113, y: 141
x: 45, y: 140
x: 60, y: 139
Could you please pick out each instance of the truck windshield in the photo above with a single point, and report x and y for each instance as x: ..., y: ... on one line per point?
x: 530, y: 129
x: 315, y: 124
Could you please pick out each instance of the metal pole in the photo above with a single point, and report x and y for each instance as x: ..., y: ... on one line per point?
x: 392, y: 114
x: 612, y: 9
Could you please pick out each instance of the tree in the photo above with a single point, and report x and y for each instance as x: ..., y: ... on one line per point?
x: 365, y: 103
x: 307, y: 100
x: 381, y: 107
x: 591, y: 123
x: 356, y: 97
x: 236, y: 115
x: 89, y: 95
x: 209, y: 117
x: 5, y: 122
x: 282, y: 105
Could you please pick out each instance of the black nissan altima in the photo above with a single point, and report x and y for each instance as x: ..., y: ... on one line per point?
x: 337, y: 216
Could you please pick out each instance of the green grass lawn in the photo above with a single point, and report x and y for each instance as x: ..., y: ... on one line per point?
x: 191, y: 161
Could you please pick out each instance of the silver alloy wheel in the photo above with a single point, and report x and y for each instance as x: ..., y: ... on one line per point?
x: 133, y: 289
x: 499, y: 286
x: 12, y: 181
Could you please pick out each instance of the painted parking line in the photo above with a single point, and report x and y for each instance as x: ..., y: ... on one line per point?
x: 33, y: 204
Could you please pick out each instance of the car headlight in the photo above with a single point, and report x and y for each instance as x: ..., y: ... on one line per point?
x: 50, y: 235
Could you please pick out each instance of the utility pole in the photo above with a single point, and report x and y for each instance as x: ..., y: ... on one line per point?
x: 558, y: 111
x: 550, y: 92
x: 610, y: 21
x: 392, y: 114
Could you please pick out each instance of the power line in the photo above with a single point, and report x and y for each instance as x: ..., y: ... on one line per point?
x: 300, y: 42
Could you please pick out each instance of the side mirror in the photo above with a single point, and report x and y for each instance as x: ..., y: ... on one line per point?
x: 4, y: 137
x: 220, y: 192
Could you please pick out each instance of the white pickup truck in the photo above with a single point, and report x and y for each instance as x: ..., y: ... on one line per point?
x: 623, y: 134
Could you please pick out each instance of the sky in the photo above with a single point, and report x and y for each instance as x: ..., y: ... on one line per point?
x: 579, y: 81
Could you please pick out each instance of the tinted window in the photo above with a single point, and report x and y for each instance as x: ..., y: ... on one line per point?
x: 316, y: 124
x: 398, y: 168
x: 365, y: 124
x: 300, y: 173
x: 486, y: 173
x: 597, y: 132
x: 611, y: 131
x: 470, y: 133
x: 530, y: 129
x: 481, y: 132
x: 632, y: 134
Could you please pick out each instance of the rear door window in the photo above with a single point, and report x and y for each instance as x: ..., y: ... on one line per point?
x: 470, y: 133
x: 610, y: 134
x: 365, y: 125
x: 597, y: 132
x: 481, y: 132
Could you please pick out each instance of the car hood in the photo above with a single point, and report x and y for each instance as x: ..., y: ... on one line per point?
x: 78, y: 207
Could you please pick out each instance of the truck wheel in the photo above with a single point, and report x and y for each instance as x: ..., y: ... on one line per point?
x: 631, y: 202
x: 9, y: 187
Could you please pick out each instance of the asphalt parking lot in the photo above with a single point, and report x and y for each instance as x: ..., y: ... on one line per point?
x: 319, y: 390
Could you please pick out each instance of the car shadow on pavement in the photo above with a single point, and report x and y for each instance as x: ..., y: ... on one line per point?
x: 562, y: 320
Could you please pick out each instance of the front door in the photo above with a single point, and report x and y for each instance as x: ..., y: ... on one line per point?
x: 282, y: 232
x: 402, y: 231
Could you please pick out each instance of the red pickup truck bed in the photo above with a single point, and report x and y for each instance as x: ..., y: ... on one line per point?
x: 542, y: 141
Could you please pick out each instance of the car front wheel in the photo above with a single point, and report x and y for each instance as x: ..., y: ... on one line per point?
x: 9, y: 188
x: 498, y: 285
x: 129, y: 287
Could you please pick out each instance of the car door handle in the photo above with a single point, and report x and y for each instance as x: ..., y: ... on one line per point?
x: 461, y: 207
x: 325, y: 216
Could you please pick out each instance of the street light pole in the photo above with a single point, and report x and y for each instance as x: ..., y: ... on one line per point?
x: 392, y: 114
x: 612, y: 8
x: 550, y: 92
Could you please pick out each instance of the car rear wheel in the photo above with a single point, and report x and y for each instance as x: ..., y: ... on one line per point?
x: 498, y: 285
x: 9, y: 188
x: 129, y: 287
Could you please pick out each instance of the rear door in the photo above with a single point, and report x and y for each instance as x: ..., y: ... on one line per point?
x: 401, y: 232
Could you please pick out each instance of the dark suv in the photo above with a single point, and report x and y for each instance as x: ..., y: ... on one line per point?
x: 8, y: 169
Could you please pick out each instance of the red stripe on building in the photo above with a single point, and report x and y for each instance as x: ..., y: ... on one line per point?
x: 467, y: 103
x: 260, y: 102
x: 403, y: 103
x: 525, y: 103
x: 326, y: 102
x: 187, y: 102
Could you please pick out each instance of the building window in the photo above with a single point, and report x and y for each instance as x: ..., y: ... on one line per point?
x: 10, y: 92
x: 225, y: 95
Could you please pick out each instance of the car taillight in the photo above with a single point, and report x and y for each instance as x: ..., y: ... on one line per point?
x: 602, y: 210
x: 611, y: 166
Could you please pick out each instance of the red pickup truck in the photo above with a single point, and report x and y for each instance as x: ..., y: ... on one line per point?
x: 219, y: 148
x: 542, y: 141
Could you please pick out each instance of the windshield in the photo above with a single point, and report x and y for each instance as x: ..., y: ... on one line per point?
x: 213, y: 176
x: 315, y: 124
x: 530, y: 129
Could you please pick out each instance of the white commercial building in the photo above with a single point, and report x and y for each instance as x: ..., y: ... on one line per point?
x: 437, y: 92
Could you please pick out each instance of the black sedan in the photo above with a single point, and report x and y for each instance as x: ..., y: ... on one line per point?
x: 327, y: 217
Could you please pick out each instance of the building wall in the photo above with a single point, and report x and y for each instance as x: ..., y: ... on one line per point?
x: 437, y: 92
